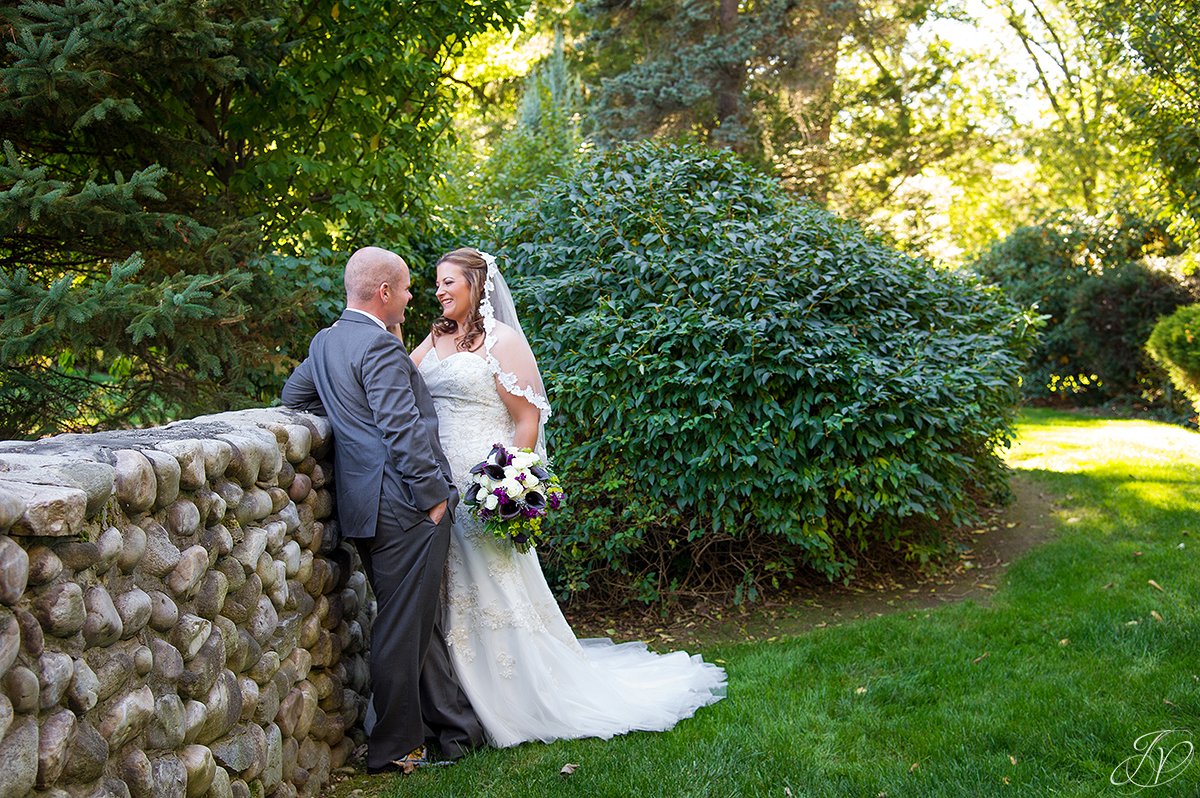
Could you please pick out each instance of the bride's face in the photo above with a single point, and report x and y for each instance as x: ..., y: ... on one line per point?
x: 453, y: 292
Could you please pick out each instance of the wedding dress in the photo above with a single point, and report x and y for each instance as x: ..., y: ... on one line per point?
x: 526, y: 674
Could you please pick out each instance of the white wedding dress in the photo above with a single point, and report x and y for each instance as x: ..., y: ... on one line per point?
x: 526, y: 674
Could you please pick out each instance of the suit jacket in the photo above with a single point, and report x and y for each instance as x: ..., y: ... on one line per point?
x: 384, y: 428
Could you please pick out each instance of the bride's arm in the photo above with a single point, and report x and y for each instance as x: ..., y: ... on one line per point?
x: 422, y: 349
x: 525, y: 416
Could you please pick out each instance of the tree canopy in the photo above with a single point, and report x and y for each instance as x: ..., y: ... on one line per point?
x: 175, y: 175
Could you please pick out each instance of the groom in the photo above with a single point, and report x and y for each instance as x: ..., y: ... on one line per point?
x: 394, y: 497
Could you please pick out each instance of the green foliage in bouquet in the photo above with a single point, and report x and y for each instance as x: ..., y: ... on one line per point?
x: 1175, y: 345
x: 745, y: 384
x: 1100, y: 288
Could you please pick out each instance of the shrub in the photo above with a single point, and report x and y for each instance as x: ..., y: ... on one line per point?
x: 743, y: 383
x: 1175, y: 345
x: 1100, y: 295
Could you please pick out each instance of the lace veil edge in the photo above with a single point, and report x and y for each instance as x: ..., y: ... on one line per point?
x: 497, y: 305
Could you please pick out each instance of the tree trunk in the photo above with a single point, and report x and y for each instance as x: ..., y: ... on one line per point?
x: 814, y: 30
x: 732, y: 76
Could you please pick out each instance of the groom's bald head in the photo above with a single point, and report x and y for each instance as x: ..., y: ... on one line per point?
x: 377, y: 281
x: 369, y: 268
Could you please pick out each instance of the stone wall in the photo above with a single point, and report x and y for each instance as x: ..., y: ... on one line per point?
x: 176, y: 617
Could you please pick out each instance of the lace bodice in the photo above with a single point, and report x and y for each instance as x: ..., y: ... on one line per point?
x: 471, y: 415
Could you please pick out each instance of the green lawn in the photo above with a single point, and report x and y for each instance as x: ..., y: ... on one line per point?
x: 1042, y: 692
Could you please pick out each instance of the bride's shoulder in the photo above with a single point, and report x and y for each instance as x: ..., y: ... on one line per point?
x: 504, y: 333
x: 510, y: 346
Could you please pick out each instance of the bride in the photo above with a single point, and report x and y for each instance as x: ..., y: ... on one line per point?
x: 526, y: 674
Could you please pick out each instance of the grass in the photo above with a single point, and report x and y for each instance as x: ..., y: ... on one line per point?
x: 1091, y: 641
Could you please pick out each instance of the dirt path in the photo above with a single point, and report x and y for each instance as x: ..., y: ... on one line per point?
x: 974, y: 574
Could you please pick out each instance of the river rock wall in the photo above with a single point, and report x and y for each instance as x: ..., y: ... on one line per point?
x: 177, y: 618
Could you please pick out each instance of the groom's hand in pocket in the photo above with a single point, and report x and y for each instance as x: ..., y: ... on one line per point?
x: 437, y: 512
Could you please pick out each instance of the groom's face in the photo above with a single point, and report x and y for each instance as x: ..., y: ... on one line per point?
x: 398, y: 296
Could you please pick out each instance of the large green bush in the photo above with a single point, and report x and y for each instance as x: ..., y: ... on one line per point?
x: 1175, y: 345
x: 1100, y: 286
x: 743, y: 383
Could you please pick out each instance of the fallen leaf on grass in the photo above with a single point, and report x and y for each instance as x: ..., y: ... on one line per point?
x: 1168, y: 702
x: 1108, y: 586
x: 980, y: 658
x: 860, y: 690
x: 1137, y: 554
x: 1006, y: 781
x: 787, y: 792
x: 914, y: 767
x: 1066, y: 641
x: 1012, y: 759
x: 1154, y: 584
x: 1154, y: 614
x: 568, y: 769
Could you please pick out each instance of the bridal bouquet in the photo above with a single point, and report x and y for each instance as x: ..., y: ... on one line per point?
x: 511, y: 492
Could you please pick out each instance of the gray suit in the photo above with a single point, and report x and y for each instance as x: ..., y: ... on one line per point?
x: 389, y: 471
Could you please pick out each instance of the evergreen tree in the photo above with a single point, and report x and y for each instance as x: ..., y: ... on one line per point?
x: 174, y: 174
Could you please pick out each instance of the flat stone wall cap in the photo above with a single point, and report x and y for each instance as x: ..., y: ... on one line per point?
x: 50, y: 510
x: 254, y: 415
x: 96, y: 479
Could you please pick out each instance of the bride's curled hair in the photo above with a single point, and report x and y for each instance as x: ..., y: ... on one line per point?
x: 474, y: 271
